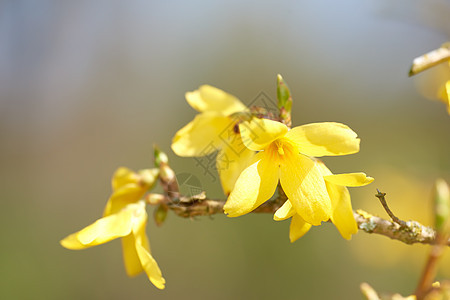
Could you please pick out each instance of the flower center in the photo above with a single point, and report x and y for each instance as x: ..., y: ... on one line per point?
x: 280, y: 149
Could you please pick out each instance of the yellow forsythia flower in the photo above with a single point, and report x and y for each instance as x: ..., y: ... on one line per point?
x: 444, y: 96
x: 124, y: 217
x: 129, y: 187
x: 214, y: 129
x: 284, y: 156
x: 443, y: 93
x: 439, y: 77
x: 342, y: 212
x: 128, y: 224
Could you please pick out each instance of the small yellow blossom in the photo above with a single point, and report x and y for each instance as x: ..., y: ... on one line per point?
x: 125, y: 217
x: 444, y: 95
x: 129, y: 187
x: 342, y: 212
x: 215, y: 129
x: 434, y: 84
x: 128, y: 224
x: 285, y: 157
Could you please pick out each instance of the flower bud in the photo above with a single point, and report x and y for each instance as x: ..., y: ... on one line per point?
x: 154, y: 199
x: 160, y: 157
x: 284, y: 100
x: 160, y: 214
x: 441, y: 195
x: 148, y: 177
x: 167, y: 174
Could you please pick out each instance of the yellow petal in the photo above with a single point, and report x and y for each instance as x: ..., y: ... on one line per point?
x: 101, y: 231
x: 303, y: 183
x: 298, y: 228
x: 106, y: 229
x: 342, y: 216
x: 131, y: 259
x: 445, y: 96
x: 136, y: 248
x: 209, y: 98
x: 148, y: 178
x: 257, y: 134
x: 284, y: 212
x: 150, y: 266
x: 349, y: 179
x: 71, y: 242
x: 125, y: 195
x: 139, y: 221
x: 448, y: 96
x: 322, y: 168
x: 123, y: 176
x: 202, y: 136
x: 327, y: 138
x: 256, y: 184
x: 231, y: 161
x: 142, y: 246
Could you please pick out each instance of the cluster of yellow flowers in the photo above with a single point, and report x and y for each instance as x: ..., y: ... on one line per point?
x: 273, y: 154
x: 261, y: 156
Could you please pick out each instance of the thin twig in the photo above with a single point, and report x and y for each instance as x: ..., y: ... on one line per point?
x: 429, y: 272
x: 368, y: 292
x: 430, y: 59
x: 381, y: 196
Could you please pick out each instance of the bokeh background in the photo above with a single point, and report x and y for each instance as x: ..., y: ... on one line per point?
x: 88, y: 86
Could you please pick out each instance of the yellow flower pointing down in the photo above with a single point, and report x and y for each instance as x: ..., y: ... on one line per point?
x: 129, y: 187
x: 443, y: 80
x: 342, y: 212
x: 445, y: 95
x: 129, y: 224
x: 214, y: 129
x: 125, y: 217
x: 285, y: 157
x: 436, y: 84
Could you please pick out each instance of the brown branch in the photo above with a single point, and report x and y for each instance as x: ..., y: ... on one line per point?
x: 430, y: 270
x: 412, y: 231
x: 199, y: 205
x: 430, y: 59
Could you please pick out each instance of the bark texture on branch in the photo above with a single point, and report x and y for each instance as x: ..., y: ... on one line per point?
x: 412, y: 231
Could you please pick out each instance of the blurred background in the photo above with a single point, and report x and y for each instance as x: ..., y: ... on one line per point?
x: 88, y: 86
